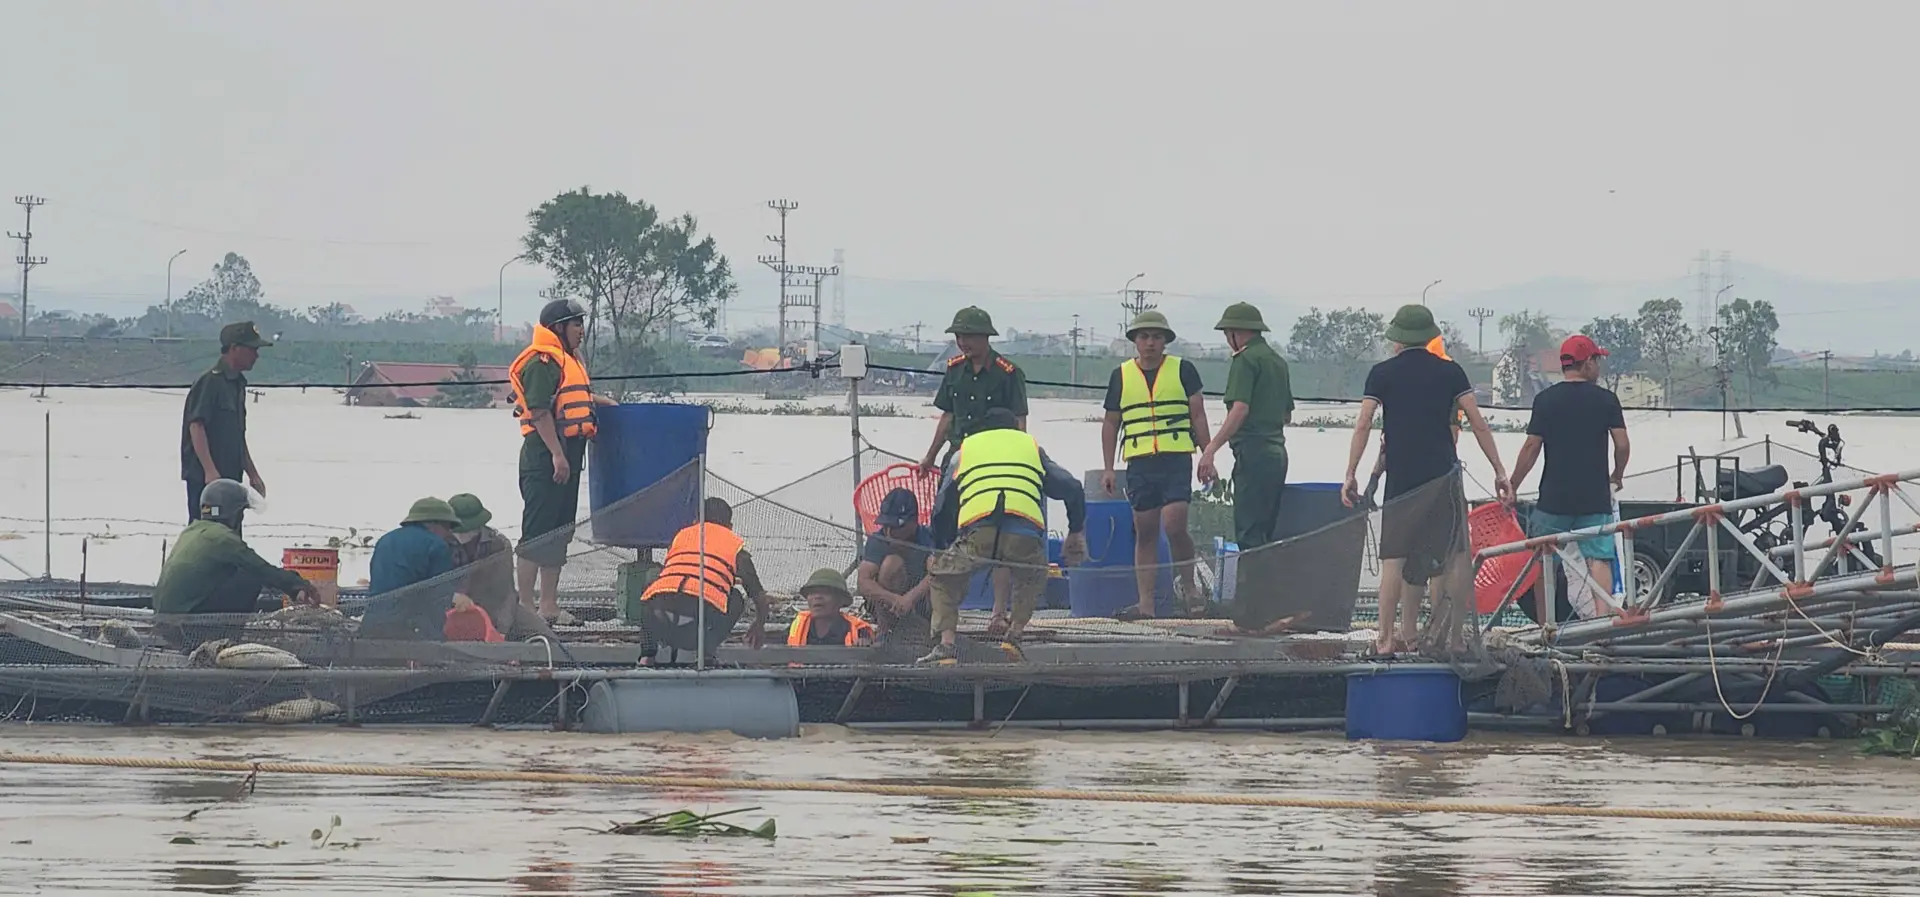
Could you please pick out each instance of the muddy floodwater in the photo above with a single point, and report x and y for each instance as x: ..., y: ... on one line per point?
x: 110, y: 831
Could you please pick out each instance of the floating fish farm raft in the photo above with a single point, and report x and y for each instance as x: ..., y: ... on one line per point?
x: 1725, y: 631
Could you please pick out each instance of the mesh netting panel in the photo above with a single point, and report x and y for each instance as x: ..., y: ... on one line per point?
x: 1292, y: 602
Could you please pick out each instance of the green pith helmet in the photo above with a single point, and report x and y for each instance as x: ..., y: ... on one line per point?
x: 1151, y: 319
x: 432, y: 510
x: 830, y: 581
x: 1241, y: 316
x: 1412, y: 325
x: 972, y: 320
x: 473, y: 515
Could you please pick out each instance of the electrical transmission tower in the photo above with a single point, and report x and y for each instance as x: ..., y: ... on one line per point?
x: 28, y: 261
x: 1075, y: 334
x: 1480, y: 316
x: 840, y: 290
x: 806, y: 278
x: 1133, y: 302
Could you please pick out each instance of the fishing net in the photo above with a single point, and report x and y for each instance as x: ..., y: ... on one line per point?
x: 1274, y: 626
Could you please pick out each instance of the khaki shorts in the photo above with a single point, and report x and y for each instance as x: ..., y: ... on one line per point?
x: 953, y: 569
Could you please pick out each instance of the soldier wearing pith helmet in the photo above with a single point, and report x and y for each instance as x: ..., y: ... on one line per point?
x: 977, y: 381
x: 1259, y: 406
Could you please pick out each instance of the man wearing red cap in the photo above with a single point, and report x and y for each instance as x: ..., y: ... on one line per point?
x: 1573, y: 421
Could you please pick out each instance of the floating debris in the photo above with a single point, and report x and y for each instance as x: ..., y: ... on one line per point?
x: 911, y: 839
x: 689, y: 823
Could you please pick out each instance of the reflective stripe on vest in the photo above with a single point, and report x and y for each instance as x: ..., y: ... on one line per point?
x: 572, y: 402
x: 684, y: 574
x: 1154, y: 420
x: 797, y: 633
x: 1000, y: 471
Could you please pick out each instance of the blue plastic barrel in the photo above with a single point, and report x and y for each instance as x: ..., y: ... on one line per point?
x: 1406, y: 705
x: 1105, y: 583
x: 645, y: 450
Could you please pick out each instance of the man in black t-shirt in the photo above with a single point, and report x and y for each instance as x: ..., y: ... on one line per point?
x: 1573, y: 421
x: 1423, y: 528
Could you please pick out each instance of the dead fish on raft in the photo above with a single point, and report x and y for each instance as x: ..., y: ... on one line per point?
x: 250, y: 656
x: 303, y: 616
x: 121, y: 634
x: 298, y: 710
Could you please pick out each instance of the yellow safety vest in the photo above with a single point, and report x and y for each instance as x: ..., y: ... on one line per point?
x: 1156, y: 420
x: 1000, y: 471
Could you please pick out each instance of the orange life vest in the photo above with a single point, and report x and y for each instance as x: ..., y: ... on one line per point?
x: 685, y: 574
x: 572, y: 402
x: 857, y: 629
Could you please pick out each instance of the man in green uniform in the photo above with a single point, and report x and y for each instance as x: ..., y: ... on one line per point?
x: 978, y: 380
x: 213, y: 428
x: 554, y: 403
x: 213, y: 571
x: 1259, y: 407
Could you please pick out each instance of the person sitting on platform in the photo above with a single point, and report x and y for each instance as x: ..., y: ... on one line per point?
x: 825, y: 621
x: 213, y: 571
x: 485, y: 556
x: 893, y: 565
x: 408, y: 586
x: 697, y: 581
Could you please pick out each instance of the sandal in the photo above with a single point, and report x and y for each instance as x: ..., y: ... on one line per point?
x: 1131, y: 614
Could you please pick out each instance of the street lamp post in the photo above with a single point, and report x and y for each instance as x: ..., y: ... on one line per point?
x: 170, y: 292
x: 1423, y: 293
x: 500, y: 301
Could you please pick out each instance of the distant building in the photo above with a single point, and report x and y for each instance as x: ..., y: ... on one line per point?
x: 1642, y: 391
x: 8, y: 311
x: 376, y: 385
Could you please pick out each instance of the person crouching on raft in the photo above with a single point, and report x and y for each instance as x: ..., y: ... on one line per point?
x: 999, y: 484
x: 826, y: 621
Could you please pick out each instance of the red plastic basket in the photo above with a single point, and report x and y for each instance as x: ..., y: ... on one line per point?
x: 1494, y: 524
x: 873, y: 490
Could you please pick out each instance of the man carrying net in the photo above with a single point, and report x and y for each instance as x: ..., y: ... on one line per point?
x: 1423, y: 531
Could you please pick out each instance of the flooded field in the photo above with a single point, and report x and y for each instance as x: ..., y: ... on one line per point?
x: 94, y: 831
x: 331, y: 468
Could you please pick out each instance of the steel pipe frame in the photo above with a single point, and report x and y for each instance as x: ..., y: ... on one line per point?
x: 1761, y: 601
x: 1717, y: 508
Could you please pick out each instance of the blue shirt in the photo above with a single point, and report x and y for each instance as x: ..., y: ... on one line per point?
x: 406, y: 556
x: 1057, y: 484
x: 913, y: 553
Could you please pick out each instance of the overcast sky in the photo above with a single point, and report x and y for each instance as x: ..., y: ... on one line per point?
x: 1338, y: 152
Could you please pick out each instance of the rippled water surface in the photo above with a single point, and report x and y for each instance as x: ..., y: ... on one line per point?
x: 111, y: 831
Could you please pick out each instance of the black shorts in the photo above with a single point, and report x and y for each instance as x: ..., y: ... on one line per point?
x: 1426, y: 524
x: 548, y: 509
x: 1155, y: 481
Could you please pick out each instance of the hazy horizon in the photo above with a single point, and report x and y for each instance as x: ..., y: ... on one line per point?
x: 1030, y: 155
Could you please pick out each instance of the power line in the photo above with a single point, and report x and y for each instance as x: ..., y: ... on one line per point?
x: 28, y: 261
x: 1480, y: 314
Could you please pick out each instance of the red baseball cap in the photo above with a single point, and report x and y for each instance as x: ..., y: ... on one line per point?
x: 1578, y: 348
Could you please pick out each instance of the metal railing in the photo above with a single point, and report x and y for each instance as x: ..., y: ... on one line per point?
x: 1809, y: 582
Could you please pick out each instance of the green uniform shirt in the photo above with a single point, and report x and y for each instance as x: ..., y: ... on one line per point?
x: 206, y: 555
x: 218, y: 401
x: 1258, y: 377
x: 968, y: 395
x: 540, y: 377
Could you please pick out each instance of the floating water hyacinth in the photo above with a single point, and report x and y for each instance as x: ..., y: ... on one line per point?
x: 689, y: 823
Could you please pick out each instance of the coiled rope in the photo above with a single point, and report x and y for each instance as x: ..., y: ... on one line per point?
x: 962, y: 792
